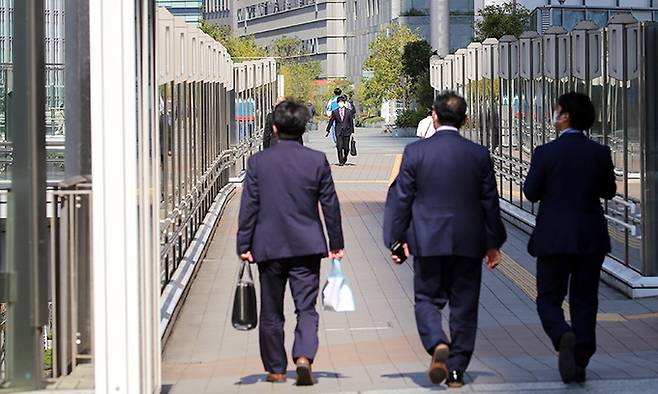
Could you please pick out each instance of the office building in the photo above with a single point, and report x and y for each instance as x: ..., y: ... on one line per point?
x: 191, y: 10
x: 337, y: 32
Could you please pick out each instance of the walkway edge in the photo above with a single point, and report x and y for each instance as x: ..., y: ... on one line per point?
x: 615, y: 274
x: 173, y: 296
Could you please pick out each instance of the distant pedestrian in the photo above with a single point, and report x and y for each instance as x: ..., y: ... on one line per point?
x: 343, y: 123
x: 311, y: 115
x: 444, y: 210
x: 425, y: 127
x: 569, y: 176
x: 332, y: 105
x: 280, y: 229
x: 269, y: 138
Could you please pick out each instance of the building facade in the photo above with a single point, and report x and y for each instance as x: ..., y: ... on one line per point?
x: 567, y: 13
x: 191, y: 10
x: 337, y: 33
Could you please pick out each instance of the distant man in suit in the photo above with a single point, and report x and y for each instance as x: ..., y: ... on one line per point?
x: 569, y: 176
x: 269, y: 138
x: 344, y: 120
x: 281, y: 230
x: 444, y: 208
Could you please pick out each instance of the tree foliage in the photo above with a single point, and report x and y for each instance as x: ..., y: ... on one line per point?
x: 286, y: 48
x: 386, y: 64
x: 416, y: 67
x: 500, y: 20
x: 240, y: 48
x: 299, y: 78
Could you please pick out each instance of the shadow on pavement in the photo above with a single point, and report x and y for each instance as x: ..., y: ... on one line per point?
x: 317, y: 375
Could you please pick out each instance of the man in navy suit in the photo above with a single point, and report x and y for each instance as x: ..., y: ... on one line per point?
x: 444, y: 206
x: 280, y: 228
x: 344, y: 120
x: 570, y: 176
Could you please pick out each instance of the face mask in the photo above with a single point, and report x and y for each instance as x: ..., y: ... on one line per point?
x: 341, y: 104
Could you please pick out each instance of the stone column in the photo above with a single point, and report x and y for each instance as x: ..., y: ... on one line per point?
x: 440, y: 26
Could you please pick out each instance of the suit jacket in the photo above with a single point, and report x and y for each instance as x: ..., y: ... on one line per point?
x: 279, y: 215
x: 268, y: 133
x: 444, y: 201
x: 345, y: 127
x: 569, y: 176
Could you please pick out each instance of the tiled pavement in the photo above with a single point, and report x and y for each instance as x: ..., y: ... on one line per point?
x: 377, y: 347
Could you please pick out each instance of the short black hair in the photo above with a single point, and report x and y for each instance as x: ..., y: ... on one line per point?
x: 580, y: 109
x: 450, y: 108
x: 340, y: 98
x: 429, y: 112
x: 290, y: 118
x: 338, y: 92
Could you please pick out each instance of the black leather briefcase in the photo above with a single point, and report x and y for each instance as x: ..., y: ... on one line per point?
x: 353, y: 147
x: 245, y: 315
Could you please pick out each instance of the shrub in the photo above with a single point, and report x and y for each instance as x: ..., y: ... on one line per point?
x: 409, y: 118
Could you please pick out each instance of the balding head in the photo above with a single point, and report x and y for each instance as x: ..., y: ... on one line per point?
x: 450, y: 109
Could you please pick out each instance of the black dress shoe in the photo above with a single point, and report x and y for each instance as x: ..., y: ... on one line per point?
x: 438, y: 370
x: 567, y: 358
x: 455, y: 379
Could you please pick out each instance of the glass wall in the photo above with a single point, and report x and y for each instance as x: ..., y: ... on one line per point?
x: 511, y: 110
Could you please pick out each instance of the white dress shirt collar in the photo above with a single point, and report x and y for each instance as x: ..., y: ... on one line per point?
x: 447, y: 128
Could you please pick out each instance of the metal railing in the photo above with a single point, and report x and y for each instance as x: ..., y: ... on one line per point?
x: 511, y: 86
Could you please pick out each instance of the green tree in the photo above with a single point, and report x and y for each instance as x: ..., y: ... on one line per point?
x: 299, y: 79
x: 500, y: 20
x: 286, y: 48
x: 240, y: 48
x: 416, y: 67
x: 386, y: 65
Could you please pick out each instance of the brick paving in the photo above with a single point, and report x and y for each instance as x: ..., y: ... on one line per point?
x: 377, y: 348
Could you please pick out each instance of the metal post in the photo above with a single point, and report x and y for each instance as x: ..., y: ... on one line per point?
x: 77, y: 165
x: 650, y: 154
x: 27, y: 231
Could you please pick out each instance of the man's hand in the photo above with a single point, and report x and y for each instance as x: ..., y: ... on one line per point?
x: 337, y: 254
x: 396, y: 259
x: 492, y: 259
x: 246, y: 256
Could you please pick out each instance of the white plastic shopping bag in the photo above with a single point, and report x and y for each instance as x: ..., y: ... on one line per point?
x: 336, y: 294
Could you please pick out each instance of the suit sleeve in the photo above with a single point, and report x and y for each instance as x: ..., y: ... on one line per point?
x: 267, y: 133
x: 608, y: 184
x: 249, y: 208
x: 533, y: 187
x: 331, y: 119
x: 495, y: 230
x: 402, y: 199
x: 330, y: 207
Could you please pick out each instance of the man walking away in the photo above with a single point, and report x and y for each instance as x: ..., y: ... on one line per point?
x: 280, y: 228
x: 425, y: 127
x: 269, y: 138
x: 569, y: 176
x: 343, y: 121
x: 332, y: 105
x: 311, y: 115
x: 448, y: 183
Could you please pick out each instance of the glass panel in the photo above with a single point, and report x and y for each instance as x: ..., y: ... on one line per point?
x: 571, y: 17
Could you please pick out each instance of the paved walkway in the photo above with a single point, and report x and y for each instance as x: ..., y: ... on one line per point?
x: 377, y: 348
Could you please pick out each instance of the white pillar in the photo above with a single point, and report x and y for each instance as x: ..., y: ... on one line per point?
x: 440, y: 25
x: 280, y: 85
x: 395, y: 9
x: 125, y: 280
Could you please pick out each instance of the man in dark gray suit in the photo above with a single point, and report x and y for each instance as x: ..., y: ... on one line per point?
x: 448, y: 183
x: 280, y: 228
x: 569, y: 176
x: 344, y: 120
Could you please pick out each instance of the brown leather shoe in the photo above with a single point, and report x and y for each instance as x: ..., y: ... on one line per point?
x: 276, y: 377
x: 304, y: 372
x: 438, y: 370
